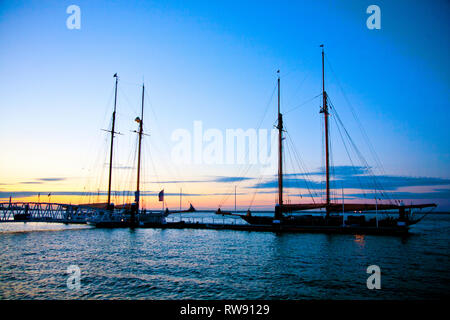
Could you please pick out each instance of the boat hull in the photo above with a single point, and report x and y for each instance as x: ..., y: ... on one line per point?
x: 317, y: 224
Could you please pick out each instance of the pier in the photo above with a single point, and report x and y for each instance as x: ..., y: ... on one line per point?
x: 76, y: 214
x: 44, y: 212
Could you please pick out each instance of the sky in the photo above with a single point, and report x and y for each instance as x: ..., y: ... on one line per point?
x: 215, y: 63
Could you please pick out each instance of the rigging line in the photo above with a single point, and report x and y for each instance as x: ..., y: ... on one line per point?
x: 287, y: 74
x: 267, y: 106
x: 302, y: 104
x: 125, y: 172
x: 96, y: 167
x: 307, y: 62
x: 286, y: 180
x: 322, y: 182
x: 90, y: 164
x: 355, y: 115
x: 161, y: 130
x: 129, y: 174
x: 297, y: 90
x: 349, y: 157
x: 361, y: 158
x: 259, y: 125
x: 331, y: 159
x: 255, y: 192
x: 131, y: 83
x: 116, y: 177
x: 358, y: 153
x: 302, y: 166
x: 290, y: 152
x: 128, y: 104
x: 243, y: 170
x: 155, y: 172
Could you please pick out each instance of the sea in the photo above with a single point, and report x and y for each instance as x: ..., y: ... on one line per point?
x: 57, y: 261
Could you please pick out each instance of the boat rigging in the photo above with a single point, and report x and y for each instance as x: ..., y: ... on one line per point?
x: 283, y: 217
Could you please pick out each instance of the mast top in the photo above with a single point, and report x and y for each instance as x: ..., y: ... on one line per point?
x: 279, y: 106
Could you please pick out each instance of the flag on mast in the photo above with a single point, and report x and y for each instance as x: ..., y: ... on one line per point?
x: 161, y: 195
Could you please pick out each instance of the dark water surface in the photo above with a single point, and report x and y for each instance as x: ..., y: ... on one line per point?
x: 211, y: 264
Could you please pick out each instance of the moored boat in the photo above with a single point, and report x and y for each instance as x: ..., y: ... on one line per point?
x: 335, y: 217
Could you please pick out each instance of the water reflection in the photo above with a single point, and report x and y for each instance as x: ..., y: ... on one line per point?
x: 224, y: 264
x: 360, y: 240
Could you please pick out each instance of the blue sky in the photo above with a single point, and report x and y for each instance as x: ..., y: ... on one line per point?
x: 216, y: 62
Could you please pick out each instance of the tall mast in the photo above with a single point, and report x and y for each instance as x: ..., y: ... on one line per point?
x: 141, y: 121
x: 280, y: 148
x: 112, y: 142
x: 325, y: 112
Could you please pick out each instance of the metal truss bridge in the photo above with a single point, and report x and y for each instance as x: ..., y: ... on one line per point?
x: 45, y: 212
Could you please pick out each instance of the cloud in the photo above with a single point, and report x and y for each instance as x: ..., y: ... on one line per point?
x: 42, y: 180
x: 359, y: 178
x: 219, y: 179
x: 349, y: 177
x: 428, y: 195
x: 176, y: 181
x: 337, y: 171
x: 126, y: 193
x: 353, y: 178
x: 230, y: 179
x: 289, y: 182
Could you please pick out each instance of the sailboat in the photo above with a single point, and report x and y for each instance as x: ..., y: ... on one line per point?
x: 332, y: 221
x: 126, y: 215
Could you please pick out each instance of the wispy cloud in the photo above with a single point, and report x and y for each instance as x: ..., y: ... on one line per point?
x: 430, y: 195
x: 176, y: 181
x: 218, y: 179
x: 51, y: 179
x: 229, y: 179
x: 338, y: 171
x: 43, y: 180
x: 353, y: 178
x: 358, y: 178
x: 126, y: 193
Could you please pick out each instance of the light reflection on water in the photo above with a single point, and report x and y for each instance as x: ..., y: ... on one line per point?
x: 359, y: 239
x: 213, y: 264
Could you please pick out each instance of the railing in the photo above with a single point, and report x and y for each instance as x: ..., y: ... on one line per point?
x: 67, y: 213
x: 44, y: 212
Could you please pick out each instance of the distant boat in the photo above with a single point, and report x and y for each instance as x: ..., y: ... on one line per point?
x: 332, y: 221
x: 191, y: 209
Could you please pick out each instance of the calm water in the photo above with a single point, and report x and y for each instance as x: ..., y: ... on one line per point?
x: 209, y: 264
